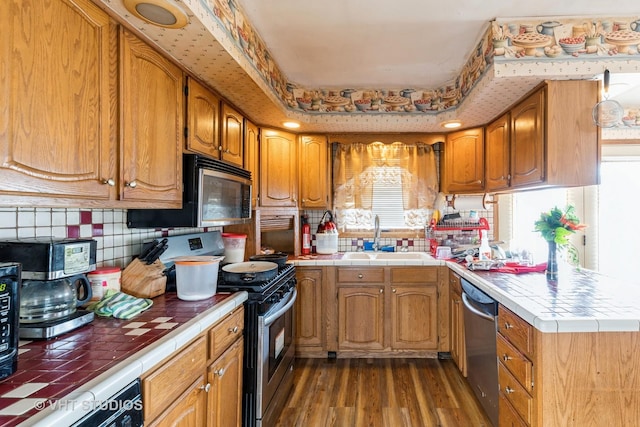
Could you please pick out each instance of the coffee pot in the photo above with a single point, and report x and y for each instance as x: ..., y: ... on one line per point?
x: 49, y: 300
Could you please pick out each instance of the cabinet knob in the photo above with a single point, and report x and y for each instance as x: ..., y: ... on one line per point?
x: 393, y: 290
x: 507, y: 325
x: 131, y: 184
x: 381, y: 290
x: 508, y: 390
x: 219, y: 372
x: 506, y: 358
x: 360, y: 276
x: 110, y: 182
x: 304, y: 200
x: 206, y: 387
x: 233, y: 330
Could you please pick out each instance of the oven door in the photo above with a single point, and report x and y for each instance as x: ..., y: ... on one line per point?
x: 275, y: 353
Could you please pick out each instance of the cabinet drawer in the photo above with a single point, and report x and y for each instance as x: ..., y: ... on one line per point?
x: 508, y: 416
x: 165, y: 384
x: 511, y: 389
x: 364, y: 275
x: 222, y: 335
x: 516, y: 330
x: 515, y: 362
x: 414, y: 275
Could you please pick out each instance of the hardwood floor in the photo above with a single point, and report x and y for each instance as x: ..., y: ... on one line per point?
x: 380, y: 393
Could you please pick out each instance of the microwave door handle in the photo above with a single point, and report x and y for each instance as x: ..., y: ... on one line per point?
x: 273, y: 317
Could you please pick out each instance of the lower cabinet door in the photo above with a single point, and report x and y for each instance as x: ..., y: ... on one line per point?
x: 188, y: 410
x: 225, y: 395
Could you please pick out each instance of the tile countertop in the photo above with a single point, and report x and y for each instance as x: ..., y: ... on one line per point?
x: 60, y: 379
x: 581, y: 301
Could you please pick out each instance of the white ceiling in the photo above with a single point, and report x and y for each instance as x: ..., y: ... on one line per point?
x: 365, y: 44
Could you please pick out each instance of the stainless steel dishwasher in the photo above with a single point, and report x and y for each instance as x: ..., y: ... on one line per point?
x: 480, y: 320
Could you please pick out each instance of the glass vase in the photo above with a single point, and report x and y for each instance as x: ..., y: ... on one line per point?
x: 552, y: 263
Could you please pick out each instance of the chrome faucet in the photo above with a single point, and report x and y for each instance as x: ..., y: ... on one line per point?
x: 376, y: 233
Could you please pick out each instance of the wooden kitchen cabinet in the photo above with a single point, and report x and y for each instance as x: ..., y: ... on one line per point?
x: 224, y: 407
x: 527, y: 141
x: 498, y: 154
x: 252, y: 159
x: 464, y: 161
x: 309, y: 310
x: 152, y: 111
x: 201, y: 385
x: 314, y: 172
x: 58, y: 130
x: 278, y: 169
x: 232, y: 135
x: 386, y: 310
x: 456, y: 325
x: 203, y: 118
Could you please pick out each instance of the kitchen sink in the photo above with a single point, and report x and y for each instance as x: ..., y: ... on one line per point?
x: 387, y: 256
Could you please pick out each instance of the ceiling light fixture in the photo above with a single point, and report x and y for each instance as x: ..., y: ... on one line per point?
x: 451, y: 124
x: 158, y: 12
x: 291, y: 124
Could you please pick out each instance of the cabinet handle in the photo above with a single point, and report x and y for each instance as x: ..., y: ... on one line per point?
x: 233, y: 330
x: 381, y: 290
x: 506, y: 358
x: 393, y: 290
x: 304, y: 200
x: 508, y: 390
x: 206, y: 387
x: 219, y: 372
x: 131, y: 184
x: 110, y: 182
x: 507, y: 325
x: 360, y: 276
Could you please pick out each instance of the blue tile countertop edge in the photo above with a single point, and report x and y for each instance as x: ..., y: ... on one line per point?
x: 102, y: 387
x: 580, y: 301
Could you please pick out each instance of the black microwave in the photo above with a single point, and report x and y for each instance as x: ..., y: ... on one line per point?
x: 215, y: 193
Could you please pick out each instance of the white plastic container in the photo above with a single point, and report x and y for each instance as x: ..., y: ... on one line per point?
x: 327, y: 243
x: 233, y: 247
x: 196, y: 277
x: 102, y: 279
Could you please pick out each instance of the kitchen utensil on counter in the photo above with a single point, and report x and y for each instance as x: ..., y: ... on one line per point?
x: 47, y: 300
x: 144, y: 280
x: 234, y: 245
x: 608, y: 112
x: 248, y: 272
x: 54, y: 284
x: 9, y: 316
x: 279, y: 258
x: 196, y: 277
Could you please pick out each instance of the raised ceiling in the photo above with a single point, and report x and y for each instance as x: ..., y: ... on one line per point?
x: 365, y: 44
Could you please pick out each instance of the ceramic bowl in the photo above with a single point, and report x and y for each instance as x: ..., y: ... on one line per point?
x: 572, y: 47
x: 362, y: 104
x: 304, y: 103
x: 422, y: 104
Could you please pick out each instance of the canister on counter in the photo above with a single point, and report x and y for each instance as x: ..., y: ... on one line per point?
x: 102, y: 279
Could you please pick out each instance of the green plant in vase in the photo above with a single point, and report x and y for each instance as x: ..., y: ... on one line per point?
x: 556, y: 227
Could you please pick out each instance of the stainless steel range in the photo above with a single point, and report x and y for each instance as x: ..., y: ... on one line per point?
x: 269, y: 330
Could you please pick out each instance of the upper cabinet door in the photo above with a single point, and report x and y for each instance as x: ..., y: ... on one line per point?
x: 232, y: 140
x: 252, y: 159
x: 464, y: 161
x: 497, y: 154
x: 58, y: 80
x: 278, y: 177
x: 527, y: 141
x: 203, y: 116
x: 152, y: 105
x: 313, y: 172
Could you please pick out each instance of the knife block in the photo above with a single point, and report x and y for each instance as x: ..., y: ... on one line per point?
x: 144, y: 280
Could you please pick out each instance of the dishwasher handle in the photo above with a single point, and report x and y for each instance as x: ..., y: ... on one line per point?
x: 467, y: 303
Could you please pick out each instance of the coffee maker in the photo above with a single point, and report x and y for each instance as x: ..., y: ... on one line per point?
x: 9, y: 303
x: 54, y: 283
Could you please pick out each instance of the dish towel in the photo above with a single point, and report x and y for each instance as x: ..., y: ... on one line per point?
x: 119, y: 305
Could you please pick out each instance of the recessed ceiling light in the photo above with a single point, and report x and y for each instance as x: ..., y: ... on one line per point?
x: 158, y: 12
x: 451, y: 124
x: 291, y: 124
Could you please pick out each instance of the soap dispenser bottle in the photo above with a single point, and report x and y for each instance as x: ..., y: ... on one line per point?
x: 485, y: 250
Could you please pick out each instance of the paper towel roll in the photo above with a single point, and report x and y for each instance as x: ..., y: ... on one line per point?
x: 466, y: 203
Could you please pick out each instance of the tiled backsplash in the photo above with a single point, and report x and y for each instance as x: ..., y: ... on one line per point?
x: 117, y: 244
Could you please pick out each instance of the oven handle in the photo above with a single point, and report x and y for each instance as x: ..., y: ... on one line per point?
x: 471, y: 308
x: 273, y: 317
